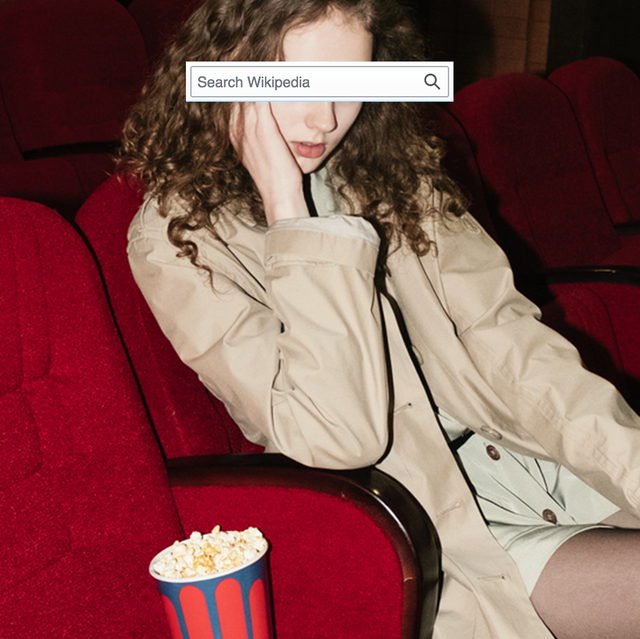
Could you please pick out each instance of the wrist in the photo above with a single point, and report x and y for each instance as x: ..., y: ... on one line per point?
x: 287, y: 209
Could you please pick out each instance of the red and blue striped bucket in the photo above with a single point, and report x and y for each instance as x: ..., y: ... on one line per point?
x: 234, y: 604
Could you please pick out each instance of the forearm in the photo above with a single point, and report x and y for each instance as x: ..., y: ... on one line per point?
x: 301, y: 364
x: 332, y: 344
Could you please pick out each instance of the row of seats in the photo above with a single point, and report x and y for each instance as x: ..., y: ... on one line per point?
x: 543, y: 195
x: 87, y: 498
x: 538, y: 158
x: 70, y: 70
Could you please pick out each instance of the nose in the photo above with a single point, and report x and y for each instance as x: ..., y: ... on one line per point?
x: 321, y: 116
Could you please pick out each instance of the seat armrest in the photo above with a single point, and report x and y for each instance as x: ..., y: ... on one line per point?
x: 536, y: 285
x: 628, y: 228
x: 391, y: 506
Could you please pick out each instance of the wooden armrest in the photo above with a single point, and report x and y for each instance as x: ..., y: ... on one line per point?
x: 385, y: 500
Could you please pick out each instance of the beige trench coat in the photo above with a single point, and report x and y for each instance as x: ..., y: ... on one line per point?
x: 293, y: 341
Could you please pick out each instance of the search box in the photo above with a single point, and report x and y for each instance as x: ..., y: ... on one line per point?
x: 319, y: 81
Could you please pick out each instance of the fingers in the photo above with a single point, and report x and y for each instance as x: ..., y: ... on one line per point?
x: 257, y: 139
x: 254, y: 124
x: 236, y: 126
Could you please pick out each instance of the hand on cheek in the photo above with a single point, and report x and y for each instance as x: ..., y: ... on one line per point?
x: 256, y: 137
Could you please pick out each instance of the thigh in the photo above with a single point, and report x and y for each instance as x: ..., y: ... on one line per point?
x: 590, y: 588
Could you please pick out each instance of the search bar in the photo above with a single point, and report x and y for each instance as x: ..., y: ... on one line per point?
x: 319, y: 81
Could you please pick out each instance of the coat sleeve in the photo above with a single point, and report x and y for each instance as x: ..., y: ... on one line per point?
x: 298, y: 360
x: 579, y: 418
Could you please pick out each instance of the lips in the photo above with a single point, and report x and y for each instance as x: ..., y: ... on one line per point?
x: 305, y: 150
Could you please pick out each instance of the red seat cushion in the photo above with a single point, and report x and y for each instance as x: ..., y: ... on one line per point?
x: 187, y: 419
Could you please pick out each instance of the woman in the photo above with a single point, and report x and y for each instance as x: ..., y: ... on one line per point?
x: 315, y: 267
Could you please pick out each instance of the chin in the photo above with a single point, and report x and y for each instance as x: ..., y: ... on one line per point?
x: 308, y: 165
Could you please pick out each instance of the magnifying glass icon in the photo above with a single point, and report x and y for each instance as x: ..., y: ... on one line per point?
x: 431, y: 80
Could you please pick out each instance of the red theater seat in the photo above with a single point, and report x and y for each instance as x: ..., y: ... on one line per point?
x: 69, y: 72
x: 605, y: 96
x: 86, y: 501
x: 84, y: 494
x: 188, y: 420
x: 159, y: 20
x: 540, y: 188
x: 50, y: 181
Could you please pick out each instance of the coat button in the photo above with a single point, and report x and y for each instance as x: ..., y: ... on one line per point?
x: 493, y: 452
x: 550, y: 516
x: 491, y: 432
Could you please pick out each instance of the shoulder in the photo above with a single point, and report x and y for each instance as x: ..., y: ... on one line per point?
x: 149, y: 230
x: 462, y: 243
x: 475, y: 274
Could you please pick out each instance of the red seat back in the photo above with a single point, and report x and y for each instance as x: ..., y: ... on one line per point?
x: 9, y: 151
x: 85, y: 500
x: 50, y: 181
x: 188, y: 420
x: 540, y: 187
x: 605, y: 96
x: 459, y: 161
x: 159, y: 20
x: 69, y: 72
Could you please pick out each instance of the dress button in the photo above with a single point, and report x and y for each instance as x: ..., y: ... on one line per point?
x: 493, y: 452
x: 550, y: 516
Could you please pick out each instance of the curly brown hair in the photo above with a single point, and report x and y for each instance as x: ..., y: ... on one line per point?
x: 385, y: 168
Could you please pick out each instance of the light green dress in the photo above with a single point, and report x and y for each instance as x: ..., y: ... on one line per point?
x: 531, y: 506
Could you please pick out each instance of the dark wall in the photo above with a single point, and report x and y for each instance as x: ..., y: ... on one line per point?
x: 586, y: 28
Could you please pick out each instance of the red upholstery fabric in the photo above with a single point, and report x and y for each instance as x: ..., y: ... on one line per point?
x: 187, y: 419
x: 605, y: 95
x: 320, y: 543
x: 540, y: 187
x: 623, y: 307
x: 83, y: 494
x: 51, y: 181
x: 69, y: 72
x: 159, y: 20
x: 9, y: 151
x: 459, y: 161
x: 599, y: 320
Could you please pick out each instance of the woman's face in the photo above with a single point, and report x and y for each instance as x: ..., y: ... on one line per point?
x: 314, y: 129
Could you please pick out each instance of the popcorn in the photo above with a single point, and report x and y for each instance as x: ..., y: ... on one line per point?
x: 209, y: 554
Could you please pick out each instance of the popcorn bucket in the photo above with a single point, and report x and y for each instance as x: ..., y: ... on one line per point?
x: 233, y: 604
